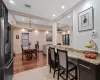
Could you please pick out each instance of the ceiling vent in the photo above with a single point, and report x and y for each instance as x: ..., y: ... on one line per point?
x: 27, y: 5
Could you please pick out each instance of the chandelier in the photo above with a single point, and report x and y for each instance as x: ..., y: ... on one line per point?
x: 30, y: 29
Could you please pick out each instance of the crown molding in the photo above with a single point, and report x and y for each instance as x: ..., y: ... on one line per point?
x: 18, y: 28
x: 29, y: 15
x: 33, y: 24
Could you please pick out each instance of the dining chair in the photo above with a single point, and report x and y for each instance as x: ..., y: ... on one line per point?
x: 23, y: 53
x: 34, y: 52
x: 66, y: 66
x: 53, y: 60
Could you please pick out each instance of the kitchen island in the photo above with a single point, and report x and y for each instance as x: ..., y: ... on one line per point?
x: 88, y: 69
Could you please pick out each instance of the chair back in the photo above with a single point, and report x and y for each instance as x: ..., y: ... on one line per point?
x: 62, y: 58
x: 52, y: 53
x: 22, y: 48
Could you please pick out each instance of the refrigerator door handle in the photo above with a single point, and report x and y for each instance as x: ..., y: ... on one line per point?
x: 9, y: 64
x: 2, y: 40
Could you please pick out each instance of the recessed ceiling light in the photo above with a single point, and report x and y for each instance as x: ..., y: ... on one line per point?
x: 11, y: 1
x: 88, y: 5
x: 54, y: 15
x: 68, y: 16
x: 22, y: 18
x: 63, y: 7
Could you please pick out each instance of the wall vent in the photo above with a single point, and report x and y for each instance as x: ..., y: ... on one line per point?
x: 27, y: 5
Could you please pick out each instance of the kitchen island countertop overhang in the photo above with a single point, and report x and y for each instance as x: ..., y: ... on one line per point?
x: 76, y: 54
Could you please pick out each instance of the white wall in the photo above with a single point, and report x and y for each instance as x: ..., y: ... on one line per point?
x: 11, y: 19
x: 80, y: 39
x: 33, y: 37
x: 59, y: 37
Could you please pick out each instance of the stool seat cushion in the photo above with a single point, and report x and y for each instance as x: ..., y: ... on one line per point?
x: 71, y: 65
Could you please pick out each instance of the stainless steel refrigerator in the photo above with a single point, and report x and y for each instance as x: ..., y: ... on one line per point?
x: 6, y: 53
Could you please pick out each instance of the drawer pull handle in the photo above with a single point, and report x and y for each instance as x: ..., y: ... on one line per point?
x: 84, y: 66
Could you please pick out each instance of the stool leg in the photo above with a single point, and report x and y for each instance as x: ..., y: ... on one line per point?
x: 76, y: 73
x: 50, y: 69
x: 66, y: 75
x: 54, y: 72
x: 58, y: 73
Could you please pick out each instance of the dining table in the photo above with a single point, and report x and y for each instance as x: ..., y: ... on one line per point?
x: 31, y: 53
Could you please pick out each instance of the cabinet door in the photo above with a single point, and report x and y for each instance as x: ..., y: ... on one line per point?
x: 86, y: 70
x: 84, y: 75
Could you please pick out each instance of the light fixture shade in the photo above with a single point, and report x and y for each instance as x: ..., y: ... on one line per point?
x: 30, y: 29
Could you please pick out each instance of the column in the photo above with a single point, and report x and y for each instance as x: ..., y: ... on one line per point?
x: 54, y: 33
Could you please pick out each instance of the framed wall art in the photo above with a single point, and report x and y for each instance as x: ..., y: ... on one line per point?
x: 49, y: 36
x: 17, y: 36
x: 86, y: 20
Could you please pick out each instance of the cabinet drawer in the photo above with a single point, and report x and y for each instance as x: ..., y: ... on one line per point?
x: 86, y: 66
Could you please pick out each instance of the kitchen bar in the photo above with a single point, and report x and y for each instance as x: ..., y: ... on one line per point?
x: 88, y: 69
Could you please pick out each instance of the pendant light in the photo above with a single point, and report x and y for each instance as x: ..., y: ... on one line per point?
x: 30, y: 28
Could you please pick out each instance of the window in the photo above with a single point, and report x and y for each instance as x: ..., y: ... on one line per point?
x: 25, y: 40
x: 66, y: 39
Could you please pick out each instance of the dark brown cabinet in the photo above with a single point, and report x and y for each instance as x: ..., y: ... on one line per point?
x: 83, y: 75
x: 88, y: 71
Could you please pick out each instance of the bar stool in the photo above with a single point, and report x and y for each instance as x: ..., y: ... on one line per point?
x: 53, y: 60
x: 65, y: 65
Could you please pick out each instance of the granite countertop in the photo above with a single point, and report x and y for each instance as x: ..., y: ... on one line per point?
x: 77, y: 54
x: 81, y: 56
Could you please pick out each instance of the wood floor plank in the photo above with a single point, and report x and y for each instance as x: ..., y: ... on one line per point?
x: 20, y: 66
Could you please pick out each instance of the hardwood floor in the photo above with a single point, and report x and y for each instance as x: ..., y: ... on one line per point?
x: 20, y: 66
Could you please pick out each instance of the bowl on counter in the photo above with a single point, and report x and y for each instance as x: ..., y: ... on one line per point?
x: 91, y: 55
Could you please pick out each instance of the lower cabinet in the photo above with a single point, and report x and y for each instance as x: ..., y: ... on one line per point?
x: 84, y: 75
x: 88, y: 71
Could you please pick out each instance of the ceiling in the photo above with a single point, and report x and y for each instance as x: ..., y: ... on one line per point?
x: 33, y: 20
x: 44, y: 9
x: 66, y: 20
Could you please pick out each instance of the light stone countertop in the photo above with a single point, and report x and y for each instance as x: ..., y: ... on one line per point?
x: 81, y: 56
x: 78, y: 55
